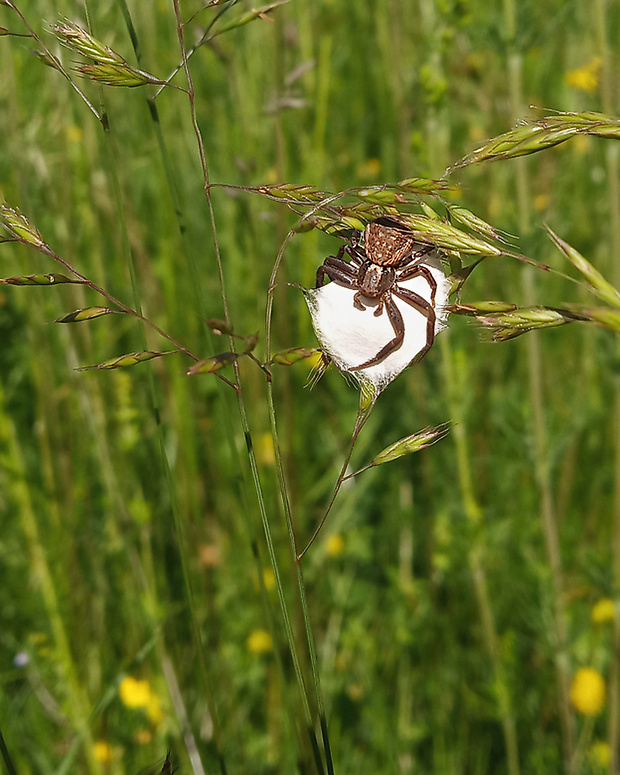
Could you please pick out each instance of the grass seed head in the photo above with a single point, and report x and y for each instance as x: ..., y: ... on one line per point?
x: 214, y: 364
x: 88, y: 313
x: 38, y: 279
x: 73, y: 37
x: 597, y: 282
x: 20, y: 227
x: 410, y: 444
x: 130, y: 359
x: 294, y: 355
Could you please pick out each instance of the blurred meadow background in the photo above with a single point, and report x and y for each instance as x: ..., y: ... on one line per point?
x: 461, y: 600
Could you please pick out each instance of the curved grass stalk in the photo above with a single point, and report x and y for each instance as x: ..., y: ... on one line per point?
x: 250, y: 448
x: 55, y: 62
x: 241, y: 405
x: 362, y: 416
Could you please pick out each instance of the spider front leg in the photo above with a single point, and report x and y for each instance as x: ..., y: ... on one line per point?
x: 338, y: 270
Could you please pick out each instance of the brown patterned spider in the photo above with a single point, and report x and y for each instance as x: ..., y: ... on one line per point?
x: 382, y: 256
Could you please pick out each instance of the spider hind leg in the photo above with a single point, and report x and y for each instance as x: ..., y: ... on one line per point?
x: 426, y: 308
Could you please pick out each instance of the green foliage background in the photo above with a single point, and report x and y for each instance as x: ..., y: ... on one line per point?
x: 92, y: 576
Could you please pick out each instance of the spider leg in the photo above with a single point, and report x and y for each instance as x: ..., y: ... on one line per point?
x: 357, y: 303
x: 396, y: 319
x: 418, y: 270
x: 426, y: 308
x: 338, y: 270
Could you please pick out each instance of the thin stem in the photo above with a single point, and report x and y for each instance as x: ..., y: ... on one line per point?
x: 286, y: 503
x: 46, y: 250
x: 200, y: 301
x: 291, y: 532
x: 360, y: 421
x: 241, y: 403
x: 6, y: 757
x: 191, y: 51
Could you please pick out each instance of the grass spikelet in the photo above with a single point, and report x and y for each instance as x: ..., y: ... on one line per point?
x: 292, y: 193
x: 597, y: 282
x: 130, y: 359
x: 219, y: 327
x: 87, y: 313
x: 476, y: 224
x: 109, y: 67
x: 19, y: 227
x: 544, y: 133
x: 249, y: 16
x: 513, y: 323
x: 213, y: 364
x: 601, y: 316
x: 508, y: 321
x: 48, y: 59
x: 306, y: 224
x: 481, y: 307
x: 410, y: 444
x: 294, y: 355
x: 444, y: 235
x: 39, y: 279
x: 76, y: 39
x: 423, y: 185
x: 117, y: 75
x: 380, y: 196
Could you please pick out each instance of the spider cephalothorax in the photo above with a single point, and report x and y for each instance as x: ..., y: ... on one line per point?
x: 384, y: 255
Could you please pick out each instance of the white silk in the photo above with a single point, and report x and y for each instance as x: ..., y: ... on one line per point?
x: 351, y: 336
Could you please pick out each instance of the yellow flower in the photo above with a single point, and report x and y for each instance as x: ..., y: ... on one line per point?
x: 103, y: 752
x: 355, y: 692
x: 586, y: 77
x: 368, y: 169
x: 603, y: 611
x: 335, y: 545
x: 269, y: 580
x: 74, y: 134
x: 259, y: 642
x: 134, y: 693
x: 541, y: 202
x: 587, y: 691
x: 600, y: 753
x: 264, y: 449
x: 143, y: 737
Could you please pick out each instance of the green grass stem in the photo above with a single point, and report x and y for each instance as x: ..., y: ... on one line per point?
x: 77, y: 706
x: 541, y: 456
x: 602, y: 16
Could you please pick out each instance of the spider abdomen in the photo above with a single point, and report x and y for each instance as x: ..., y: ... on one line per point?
x: 388, y: 246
